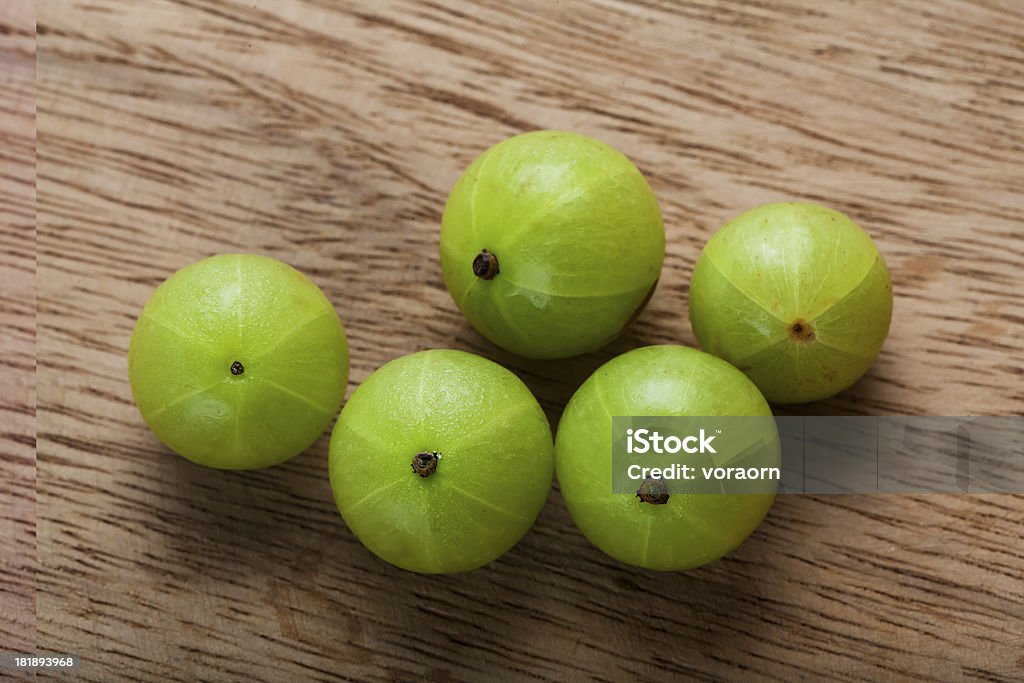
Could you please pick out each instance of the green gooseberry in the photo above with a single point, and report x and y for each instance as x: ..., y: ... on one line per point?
x: 551, y: 243
x: 797, y: 296
x: 238, y: 362
x: 441, y: 461
x: 662, y: 531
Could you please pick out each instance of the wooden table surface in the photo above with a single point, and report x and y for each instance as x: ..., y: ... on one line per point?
x: 17, y: 320
x: 328, y: 134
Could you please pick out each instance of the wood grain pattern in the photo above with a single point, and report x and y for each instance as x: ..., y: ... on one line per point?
x: 18, y: 322
x: 328, y: 135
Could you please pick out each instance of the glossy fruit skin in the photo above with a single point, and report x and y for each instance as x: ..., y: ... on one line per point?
x: 578, y: 238
x: 258, y: 312
x: 492, y: 478
x: 690, y: 529
x: 795, y: 295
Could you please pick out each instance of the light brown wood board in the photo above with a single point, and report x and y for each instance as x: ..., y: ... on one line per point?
x: 18, y: 325
x: 328, y: 135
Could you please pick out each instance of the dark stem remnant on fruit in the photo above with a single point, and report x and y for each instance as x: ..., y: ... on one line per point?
x: 485, y: 265
x: 653, y: 491
x: 801, y: 331
x: 424, y: 464
x: 237, y: 368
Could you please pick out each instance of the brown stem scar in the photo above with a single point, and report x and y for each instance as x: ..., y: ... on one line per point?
x: 424, y: 464
x: 485, y: 265
x: 653, y: 491
x: 237, y: 368
x: 801, y: 330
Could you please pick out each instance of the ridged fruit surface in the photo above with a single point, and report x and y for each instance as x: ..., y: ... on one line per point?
x: 690, y: 529
x: 797, y: 296
x: 238, y: 361
x: 551, y: 242
x: 489, y: 450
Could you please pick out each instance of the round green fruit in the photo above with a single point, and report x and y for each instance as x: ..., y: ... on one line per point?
x: 673, y: 532
x: 797, y: 296
x: 238, y: 362
x: 441, y: 461
x: 551, y: 243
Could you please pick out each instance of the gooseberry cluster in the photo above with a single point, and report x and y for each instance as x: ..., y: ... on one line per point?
x: 551, y: 243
